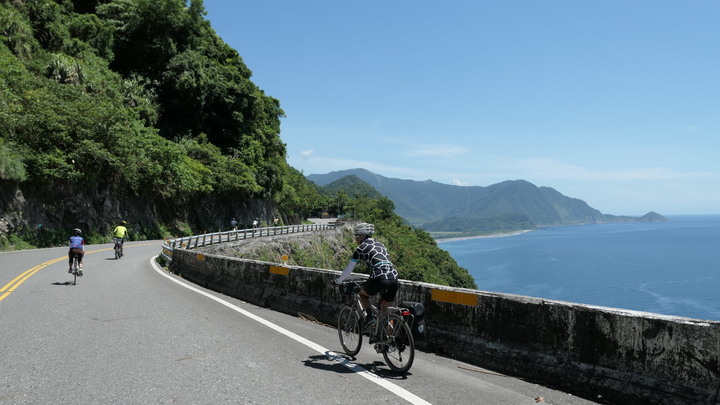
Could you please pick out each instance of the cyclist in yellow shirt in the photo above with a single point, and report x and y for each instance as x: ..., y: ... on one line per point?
x: 120, y: 233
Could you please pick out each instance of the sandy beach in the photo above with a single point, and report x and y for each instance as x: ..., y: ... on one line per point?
x: 492, y: 235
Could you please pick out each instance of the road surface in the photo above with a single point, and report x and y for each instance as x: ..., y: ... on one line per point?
x: 130, y: 333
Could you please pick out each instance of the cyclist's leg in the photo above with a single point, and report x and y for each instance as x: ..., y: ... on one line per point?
x: 387, y: 296
x: 369, y: 289
x: 388, y: 293
x: 70, y: 260
x: 365, y: 302
x: 80, y: 256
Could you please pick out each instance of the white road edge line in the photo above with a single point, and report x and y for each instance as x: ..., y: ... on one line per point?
x: 399, y: 391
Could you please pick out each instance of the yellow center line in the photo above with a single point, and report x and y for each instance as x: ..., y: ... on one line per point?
x: 17, y: 281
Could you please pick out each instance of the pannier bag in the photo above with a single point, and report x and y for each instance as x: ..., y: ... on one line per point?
x: 418, y: 319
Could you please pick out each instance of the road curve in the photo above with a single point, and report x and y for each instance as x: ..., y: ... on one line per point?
x: 131, y: 333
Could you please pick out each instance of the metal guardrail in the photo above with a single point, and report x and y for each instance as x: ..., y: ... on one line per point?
x: 207, y: 239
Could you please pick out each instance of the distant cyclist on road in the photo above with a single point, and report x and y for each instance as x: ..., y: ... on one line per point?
x: 77, y: 248
x: 120, y: 233
x: 383, y: 275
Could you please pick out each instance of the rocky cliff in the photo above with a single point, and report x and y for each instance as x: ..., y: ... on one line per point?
x: 46, y: 216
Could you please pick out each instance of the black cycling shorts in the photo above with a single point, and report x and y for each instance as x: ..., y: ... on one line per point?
x: 386, y: 287
x: 76, y: 252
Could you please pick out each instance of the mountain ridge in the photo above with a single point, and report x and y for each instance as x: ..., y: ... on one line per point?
x: 505, y: 206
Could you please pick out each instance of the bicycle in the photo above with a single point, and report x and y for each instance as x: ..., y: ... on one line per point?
x: 118, y: 248
x: 391, y: 334
x: 76, y: 272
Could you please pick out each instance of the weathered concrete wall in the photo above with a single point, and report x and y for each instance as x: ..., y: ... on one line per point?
x: 625, y: 356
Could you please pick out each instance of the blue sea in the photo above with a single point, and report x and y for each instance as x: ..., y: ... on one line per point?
x: 668, y: 268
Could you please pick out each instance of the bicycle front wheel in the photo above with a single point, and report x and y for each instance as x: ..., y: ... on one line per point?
x: 349, y: 331
x: 400, y: 351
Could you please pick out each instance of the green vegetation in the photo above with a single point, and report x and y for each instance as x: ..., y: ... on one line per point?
x: 142, y: 93
x: 138, y: 100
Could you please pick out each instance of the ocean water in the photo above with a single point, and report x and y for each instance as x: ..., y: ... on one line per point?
x: 670, y: 268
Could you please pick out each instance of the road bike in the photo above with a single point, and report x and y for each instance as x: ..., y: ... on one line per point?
x: 391, y: 332
x: 118, y: 248
x: 75, y: 268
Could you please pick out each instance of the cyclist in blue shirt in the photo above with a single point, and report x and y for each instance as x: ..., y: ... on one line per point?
x: 77, y: 248
x: 383, y: 278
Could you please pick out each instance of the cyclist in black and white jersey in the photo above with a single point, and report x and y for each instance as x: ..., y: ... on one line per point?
x: 383, y: 275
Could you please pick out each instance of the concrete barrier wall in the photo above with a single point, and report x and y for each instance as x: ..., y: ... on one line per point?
x: 622, y: 356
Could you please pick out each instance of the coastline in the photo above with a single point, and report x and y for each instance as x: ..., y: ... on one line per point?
x: 492, y: 235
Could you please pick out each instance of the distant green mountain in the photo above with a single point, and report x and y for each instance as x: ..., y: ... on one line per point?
x: 507, y: 206
x: 351, y: 185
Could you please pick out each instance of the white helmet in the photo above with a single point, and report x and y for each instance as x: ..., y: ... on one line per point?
x: 365, y: 229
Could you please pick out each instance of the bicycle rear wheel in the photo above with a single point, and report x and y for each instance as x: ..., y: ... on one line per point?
x: 400, y: 352
x: 75, y: 270
x: 349, y: 331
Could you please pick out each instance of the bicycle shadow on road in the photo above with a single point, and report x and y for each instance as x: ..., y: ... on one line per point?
x: 62, y: 283
x: 375, y: 368
x: 335, y: 363
x: 321, y: 362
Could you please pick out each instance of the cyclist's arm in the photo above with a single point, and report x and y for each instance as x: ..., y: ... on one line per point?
x: 348, y: 269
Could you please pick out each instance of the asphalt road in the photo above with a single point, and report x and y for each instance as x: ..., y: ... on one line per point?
x: 130, y: 333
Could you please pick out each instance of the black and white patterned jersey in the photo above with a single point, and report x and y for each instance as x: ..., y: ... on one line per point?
x: 375, y: 255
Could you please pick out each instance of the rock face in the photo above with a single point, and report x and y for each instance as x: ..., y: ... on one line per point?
x: 12, y: 203
x: 44, y: 216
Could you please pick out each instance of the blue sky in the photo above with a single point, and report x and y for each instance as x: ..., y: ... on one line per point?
x: 614, y: 102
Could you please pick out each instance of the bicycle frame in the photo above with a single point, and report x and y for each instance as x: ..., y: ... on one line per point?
x: 391, y: 334
x: 384, y: 324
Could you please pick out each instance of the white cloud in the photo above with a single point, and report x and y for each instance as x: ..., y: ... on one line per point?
x: 307, y: 153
